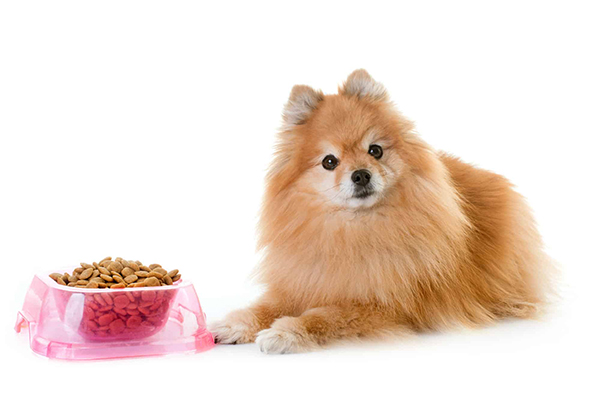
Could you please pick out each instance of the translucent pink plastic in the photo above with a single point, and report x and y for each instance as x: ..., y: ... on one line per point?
x: 88, y: 324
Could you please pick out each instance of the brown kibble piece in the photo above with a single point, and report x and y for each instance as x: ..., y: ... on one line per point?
x: 117, y: 286
x: 86, y: 273
x: 142, y: 274
x: 55, y: 276
x: 172, y: 273
x: 152, y: 281
x: 82, y: 282
x: 153, y: 266
x: 61, y: 281
x: 103, y: 271
x: 176, y: 277
x: 107, y: 278
x: 92, y: 285
x: 167, y: 279
x: 115, y: 266
x: 127, y: 271
x: 155, y: 274
x: 131, y: 278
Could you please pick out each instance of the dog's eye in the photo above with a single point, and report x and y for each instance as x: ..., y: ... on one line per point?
x: 376, y: 151
x: 330, y: 162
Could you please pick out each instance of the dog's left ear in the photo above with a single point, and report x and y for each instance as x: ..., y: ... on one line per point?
x: 360, y: 84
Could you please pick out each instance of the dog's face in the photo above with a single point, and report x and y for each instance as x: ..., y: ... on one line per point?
x: 346, y: 149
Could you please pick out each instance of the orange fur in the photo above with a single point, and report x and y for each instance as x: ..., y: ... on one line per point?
x: 444, y: 244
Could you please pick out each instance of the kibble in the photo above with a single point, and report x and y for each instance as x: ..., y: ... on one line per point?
x: 121, y: 313
x: 116, y: 274
x: 86, y: 273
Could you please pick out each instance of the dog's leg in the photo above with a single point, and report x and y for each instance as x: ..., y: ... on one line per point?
x: 241, y: 326
x: 319, y: 326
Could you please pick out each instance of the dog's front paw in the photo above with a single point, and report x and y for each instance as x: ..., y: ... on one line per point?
x: 284, y: 336
x: 236, y: 328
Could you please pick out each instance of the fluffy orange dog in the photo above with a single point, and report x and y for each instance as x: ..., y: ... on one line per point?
x: 367, y: 231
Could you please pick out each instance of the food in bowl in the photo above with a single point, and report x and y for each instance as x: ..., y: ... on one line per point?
x: 117, y: 274
x: 139, y: 309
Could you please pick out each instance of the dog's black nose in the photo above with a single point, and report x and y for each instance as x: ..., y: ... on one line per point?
x: 361, y: 177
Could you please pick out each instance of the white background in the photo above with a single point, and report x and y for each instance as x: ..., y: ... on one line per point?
x: 143, y: 130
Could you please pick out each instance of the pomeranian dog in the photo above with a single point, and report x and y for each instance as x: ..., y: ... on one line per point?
x: 368, y: 232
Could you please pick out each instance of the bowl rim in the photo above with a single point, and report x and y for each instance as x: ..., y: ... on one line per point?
x: 45, y: 277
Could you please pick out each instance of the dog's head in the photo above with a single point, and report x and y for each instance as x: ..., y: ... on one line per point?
x: 345, y: 150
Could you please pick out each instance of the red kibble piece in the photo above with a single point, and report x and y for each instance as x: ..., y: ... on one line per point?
x: 92, y: 325
x: 130, y: 296
x: 103, y: 328
x: 105, y: 309
x: 134, y: 321
x: 92, y: 305
x: 144, y: 311
x: 132, y: 306
x: 107, y: 298
x: 148, y: 295
x: 88, y: 313
x: 121, y: 301
x: 146, y: 304
x: 121, y: 311
x: 117, y: 326
x: 155, y: 306
x: 101, y: 333
x: 133, y: 312
x: 99, y: 300
x: 106, y: 319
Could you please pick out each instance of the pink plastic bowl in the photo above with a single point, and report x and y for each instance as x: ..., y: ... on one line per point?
x: 78, y: 324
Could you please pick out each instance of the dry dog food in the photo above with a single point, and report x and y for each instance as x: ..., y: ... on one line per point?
x: 117, y: 274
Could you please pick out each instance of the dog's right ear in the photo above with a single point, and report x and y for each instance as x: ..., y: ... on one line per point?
x: 302, y: 102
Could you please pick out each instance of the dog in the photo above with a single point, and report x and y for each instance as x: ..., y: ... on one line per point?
x: 367, y: 232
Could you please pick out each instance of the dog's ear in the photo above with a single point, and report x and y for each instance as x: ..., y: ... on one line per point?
x: 360, y: 84
x: 302, y: 102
